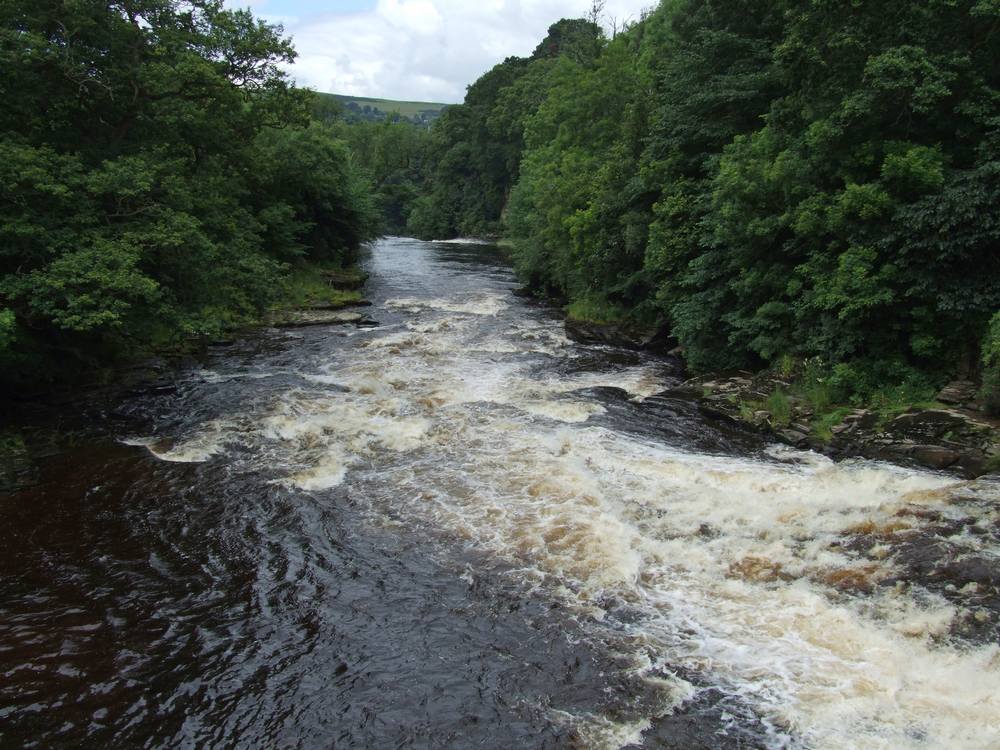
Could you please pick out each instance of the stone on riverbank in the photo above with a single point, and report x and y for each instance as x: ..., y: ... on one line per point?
x: 962, y: 393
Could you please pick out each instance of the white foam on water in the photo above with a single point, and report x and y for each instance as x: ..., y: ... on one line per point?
x: 601, y: 733
x: 329, y: 471
x: 485, y: 304
x: 309, y: 422
x: 729, y: 558
x: 464, y: 241
x: 563, y: 411
x: 207, y: 441
x: 211, y: 376
x: 733, y: 562
x: 641, y: 381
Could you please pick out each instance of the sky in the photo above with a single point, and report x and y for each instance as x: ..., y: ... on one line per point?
x: 415, y: 50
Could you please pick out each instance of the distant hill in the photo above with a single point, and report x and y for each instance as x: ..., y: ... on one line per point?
x: 365, y: 109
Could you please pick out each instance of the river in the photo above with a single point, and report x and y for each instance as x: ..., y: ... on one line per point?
x: 461, y: 529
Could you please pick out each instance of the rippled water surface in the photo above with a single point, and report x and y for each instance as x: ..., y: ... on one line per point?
x: 461, y: 529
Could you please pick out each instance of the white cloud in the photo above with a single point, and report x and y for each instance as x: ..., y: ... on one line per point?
x: 424, y: 50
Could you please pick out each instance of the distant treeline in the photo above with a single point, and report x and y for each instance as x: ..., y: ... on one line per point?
x: 771, y: 181
x: 159, y: 178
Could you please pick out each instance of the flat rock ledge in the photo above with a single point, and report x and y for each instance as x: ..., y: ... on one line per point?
x: 319, y: 317
x: 950, y: 439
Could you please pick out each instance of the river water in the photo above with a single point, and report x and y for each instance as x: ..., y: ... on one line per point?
x: 460, y: 529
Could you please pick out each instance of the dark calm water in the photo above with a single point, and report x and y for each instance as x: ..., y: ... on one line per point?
x: 459, y: 530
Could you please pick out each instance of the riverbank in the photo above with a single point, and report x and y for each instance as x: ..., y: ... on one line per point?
x: 949, y: 432
x: 307, y: 287
x: 313, y: 295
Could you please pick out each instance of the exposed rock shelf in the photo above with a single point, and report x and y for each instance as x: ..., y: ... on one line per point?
x: 302, y: 318
x: 946, y: 438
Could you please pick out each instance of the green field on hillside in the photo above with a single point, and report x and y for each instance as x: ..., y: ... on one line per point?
x: 367, y: 108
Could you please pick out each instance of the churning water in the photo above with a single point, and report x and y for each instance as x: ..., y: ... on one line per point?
x: 461, y: 529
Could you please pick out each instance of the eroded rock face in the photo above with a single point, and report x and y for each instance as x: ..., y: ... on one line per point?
x: 936, y: 424
x: 940, y: 439
x: 935, y: 438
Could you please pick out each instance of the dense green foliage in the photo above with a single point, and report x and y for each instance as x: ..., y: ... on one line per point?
x: 159, y: 177
x: 393, y: 155
x: 477, y: 148
x: 769, y: 180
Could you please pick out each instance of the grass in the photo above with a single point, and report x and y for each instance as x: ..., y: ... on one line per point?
x: 822, y: 426
x: 406, y: 109
x: 594, y: 310
x: 309, y: 285
x: 818, y: 394
x: 787, y: 366
x: 780, y: 407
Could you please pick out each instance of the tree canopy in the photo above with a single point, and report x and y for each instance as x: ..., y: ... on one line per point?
x: 158, y: 175
x: 765, y: 179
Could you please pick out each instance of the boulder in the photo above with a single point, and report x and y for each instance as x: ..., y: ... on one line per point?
x: 861, y: 418
x: 958, y: 392
x: 345, y: 279
x: 793, y: 437
x: 934, y: 456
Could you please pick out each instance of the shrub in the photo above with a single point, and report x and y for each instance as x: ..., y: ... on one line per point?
x: 880, y: 383
x: 7, y: 328
x: 991, y: 366
x: 593, y: 309
x: 780, y: 408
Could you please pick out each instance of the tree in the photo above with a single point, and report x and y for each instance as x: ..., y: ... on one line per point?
x: 143, y: 195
